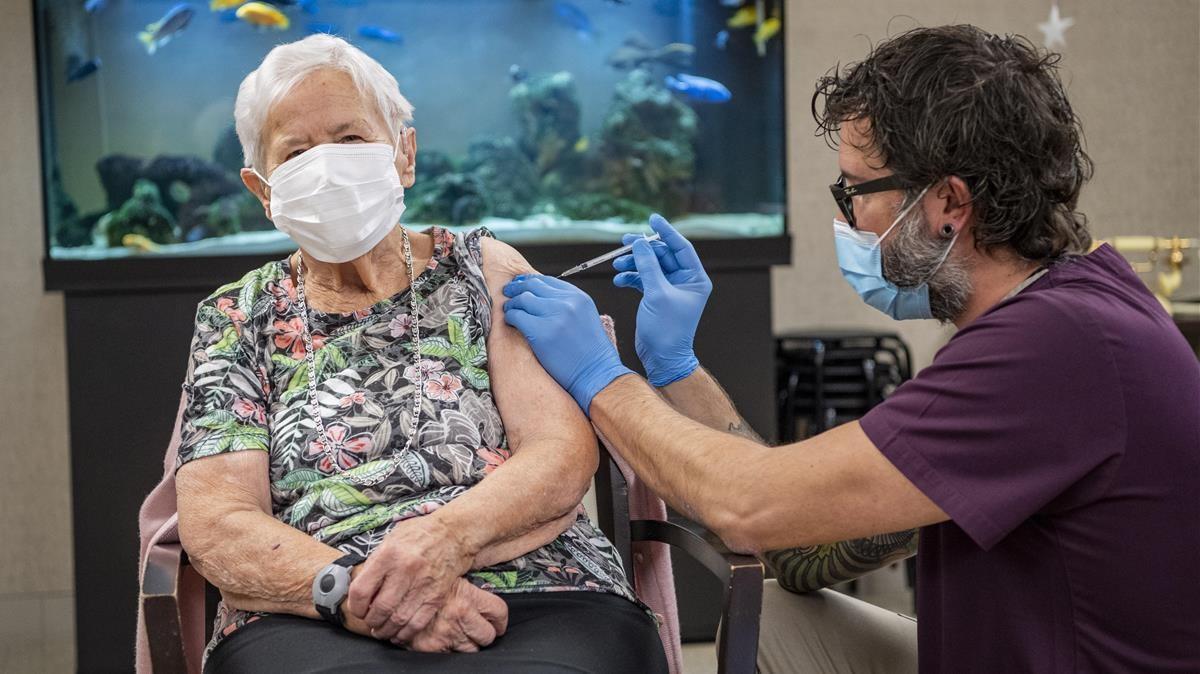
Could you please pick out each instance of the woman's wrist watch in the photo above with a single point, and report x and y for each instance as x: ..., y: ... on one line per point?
x: 331, y: 585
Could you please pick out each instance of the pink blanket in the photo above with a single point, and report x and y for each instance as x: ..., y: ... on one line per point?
x: 653, y: 578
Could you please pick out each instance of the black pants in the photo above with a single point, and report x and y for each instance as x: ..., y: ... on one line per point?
x: 547, y: 632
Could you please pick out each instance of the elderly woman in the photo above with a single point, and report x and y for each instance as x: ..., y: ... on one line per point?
x: 374, y: 468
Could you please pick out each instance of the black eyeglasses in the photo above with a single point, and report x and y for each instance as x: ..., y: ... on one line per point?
x: 844, y: 194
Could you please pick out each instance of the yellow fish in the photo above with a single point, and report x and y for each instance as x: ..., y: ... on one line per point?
x: 262, y: 14
x: 768, y: 29
x: 581, y: 145
x: 218, y: 5
x: 746, y: 16
x: 139, y: 243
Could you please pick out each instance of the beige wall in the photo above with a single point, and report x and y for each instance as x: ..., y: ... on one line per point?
x: 1134, y: 73
x: 1132, y: 69
x: 36, y: 597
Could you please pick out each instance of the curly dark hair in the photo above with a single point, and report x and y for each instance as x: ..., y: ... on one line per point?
x: 958, y: 101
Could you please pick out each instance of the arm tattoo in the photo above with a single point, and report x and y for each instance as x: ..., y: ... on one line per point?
x: 814, y: 567
x: 740, y: 427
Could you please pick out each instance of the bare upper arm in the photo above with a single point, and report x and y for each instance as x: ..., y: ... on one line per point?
x: 207, y: 489
x: 531, y: 403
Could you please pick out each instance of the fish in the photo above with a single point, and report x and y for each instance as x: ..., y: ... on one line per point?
x: 767, y: 30
x: 165, y: 29
x: 582, y: 144
x: 95, y: 6
x: 699, y: 89
x: 571, y: 16
x: 218, y: 5
x: 78, y: 69
x: 744, y: 17
x: 636, y: 52
x: 721, y: 40
x: 327, y: 28
x: 517, y: 74
x: 380, y: 33
x: 263, y: 15
x: 139, y: 243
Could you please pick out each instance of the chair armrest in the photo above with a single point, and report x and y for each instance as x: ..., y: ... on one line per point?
x: 742, y: 575
x: 161, y: 581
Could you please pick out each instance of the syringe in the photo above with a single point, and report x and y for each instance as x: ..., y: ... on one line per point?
x: 612, y: 255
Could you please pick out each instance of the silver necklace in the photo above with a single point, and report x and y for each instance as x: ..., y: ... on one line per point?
x: 311, y: 363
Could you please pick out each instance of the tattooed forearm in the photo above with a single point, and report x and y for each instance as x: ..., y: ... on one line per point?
x: 740, y: 427
x: 812, y: 568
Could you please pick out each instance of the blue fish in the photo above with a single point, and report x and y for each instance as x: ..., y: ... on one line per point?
x: 165, y: 29
x: 94, y: 6
x: 699, y: 89
x: 380, y: 33
x: 77, y: 69
x: 722, y: 40
x: 327, y: 28
x: 571, y: 16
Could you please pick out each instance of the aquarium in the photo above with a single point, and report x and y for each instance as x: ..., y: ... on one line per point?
x: 547, y: 121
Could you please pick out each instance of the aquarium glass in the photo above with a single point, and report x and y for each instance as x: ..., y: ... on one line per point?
x: 546, y: 121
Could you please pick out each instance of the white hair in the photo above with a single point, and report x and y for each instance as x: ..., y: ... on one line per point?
x: 287, y: 64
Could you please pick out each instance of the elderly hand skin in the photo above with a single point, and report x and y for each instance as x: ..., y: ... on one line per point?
x: 399, y: 590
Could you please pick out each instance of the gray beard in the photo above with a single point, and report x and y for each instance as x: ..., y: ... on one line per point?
x: 910, y: 257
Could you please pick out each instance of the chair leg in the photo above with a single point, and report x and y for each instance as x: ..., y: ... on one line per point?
x: 737, y: 641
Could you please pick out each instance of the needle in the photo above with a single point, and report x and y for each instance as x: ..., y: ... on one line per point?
x: 623, y: 250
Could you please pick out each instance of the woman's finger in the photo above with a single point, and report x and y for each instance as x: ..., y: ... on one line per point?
x: 363, y: 588
x: 384, y: 604
x: 418, y: 622
x: 477, y: 628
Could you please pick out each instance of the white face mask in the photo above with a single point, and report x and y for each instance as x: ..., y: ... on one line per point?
x: 337, y: 201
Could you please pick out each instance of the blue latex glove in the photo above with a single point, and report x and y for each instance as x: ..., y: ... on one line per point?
x: 563, y: 327
x: 674, y: 290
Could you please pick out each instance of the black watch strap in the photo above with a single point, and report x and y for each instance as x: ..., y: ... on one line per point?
x: 331, y: 585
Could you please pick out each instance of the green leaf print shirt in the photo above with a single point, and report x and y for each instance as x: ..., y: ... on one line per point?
x: 247, y: 389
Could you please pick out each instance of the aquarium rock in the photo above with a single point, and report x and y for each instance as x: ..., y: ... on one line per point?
x: 118, y: 173
x: 547, y: 112
x: 593, y: 206
x: 452, y: 198
x: 646, y: 147
x: 508, y: 176
x: 142, y: 214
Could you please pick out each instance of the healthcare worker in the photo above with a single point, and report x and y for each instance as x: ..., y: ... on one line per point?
x: 1050, y: 454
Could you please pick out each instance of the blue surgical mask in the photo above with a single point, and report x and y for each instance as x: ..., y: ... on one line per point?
x: 861, y: 261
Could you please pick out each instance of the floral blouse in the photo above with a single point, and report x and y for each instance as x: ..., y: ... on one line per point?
x: 247, y: 389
